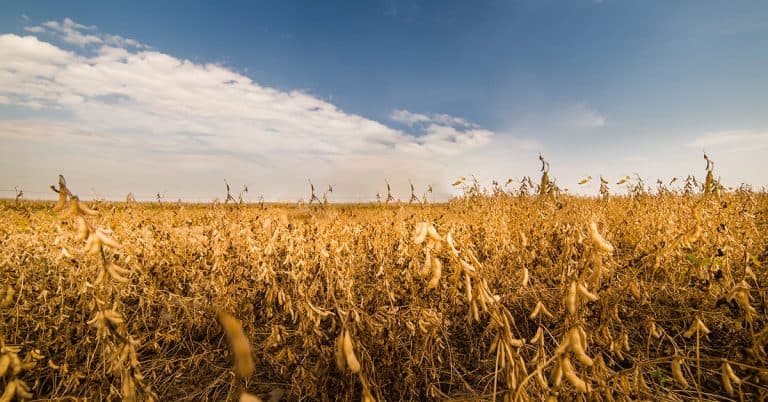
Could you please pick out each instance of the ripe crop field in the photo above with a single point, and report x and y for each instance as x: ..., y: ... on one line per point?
x: 488, y: 297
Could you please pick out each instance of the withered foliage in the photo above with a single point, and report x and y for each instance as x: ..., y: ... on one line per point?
x: 652, y: 297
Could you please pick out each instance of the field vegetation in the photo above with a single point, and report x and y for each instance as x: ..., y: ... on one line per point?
x: 514, y: 295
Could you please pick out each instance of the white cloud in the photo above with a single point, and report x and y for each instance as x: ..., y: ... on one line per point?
x: 412, y: 119
x: 121, y: 98
x: 449, y: 140
x: 732, y: 140
x: 406, y: 117
x: 72, y: 33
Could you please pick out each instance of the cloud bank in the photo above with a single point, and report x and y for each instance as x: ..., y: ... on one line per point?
x: 104, y: 96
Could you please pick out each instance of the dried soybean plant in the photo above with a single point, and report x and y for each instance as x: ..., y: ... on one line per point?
x: 487, y: 297
x: 19, y: 194
x: 413, y: 197
x: 545, y: 186
x: 240, y: 197
x: 117, y: 346
x: 604, y: 190
x: 325, y: 194
x: 313, y: 197
x: 480, y: 298
x: 229, y: 195
x: 424, y: 199
x: 12, y: 364
x: 389, y: 193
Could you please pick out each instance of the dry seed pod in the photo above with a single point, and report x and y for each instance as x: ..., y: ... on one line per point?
x: 540, y: 309
x: 696, y: 327
x: 598, y: 239
x: 615, y: 313
x: 66, y: 254
x: 93, y: 244
x: 570, y: 298
x: 426, y: 268
x: 467, y: 267
x: 579, y: 384
x: 5, y: 361
x: 729, y: 378
x: 238, y: 342
x: 556, y: 377
x: 729, y: 371
x: 432, y: 233
x: 114, y: 317
x: 654, y: 330
x: 540, y: 378
x: 117, y: 273
x: 10, y: 349
x: 583, y: 337
x: 73, y: 209
x: 616, y: 349
x: 451, y: 244
x: 123, y: 356
x: 525, y: 278
x: 518, y: 343
x: 586, y: 293
x: 564, y: 345
x: 8, y: 297
x: 420, y: 232
x: 677, y: 372
x: 62, y: 200
x: 468, y: 287
x: 341, y: 360
x: 22, y: 390
x: 10, y: 391
x: 84, y: 209
x: 727, y: 386
x: 15, y: 363
x: 82, y: 229
x: 576, y: 345
x: 437, y: 271
x: 100, y: 277
x: 349, y: 353
x: 106, y: 240
x: 539, y: 337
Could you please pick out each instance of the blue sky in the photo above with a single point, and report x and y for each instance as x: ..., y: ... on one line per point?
x: 351, y: 93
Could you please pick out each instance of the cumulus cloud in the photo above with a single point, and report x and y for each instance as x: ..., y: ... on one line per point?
x: 406, y: 117
x: 412, y: 119
x: 80, y: 35
x: 122, y: 97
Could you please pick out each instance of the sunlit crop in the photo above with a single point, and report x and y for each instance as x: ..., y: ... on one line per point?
x: 494, y: 296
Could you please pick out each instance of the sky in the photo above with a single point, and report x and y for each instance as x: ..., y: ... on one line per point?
x: 175, y: 97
